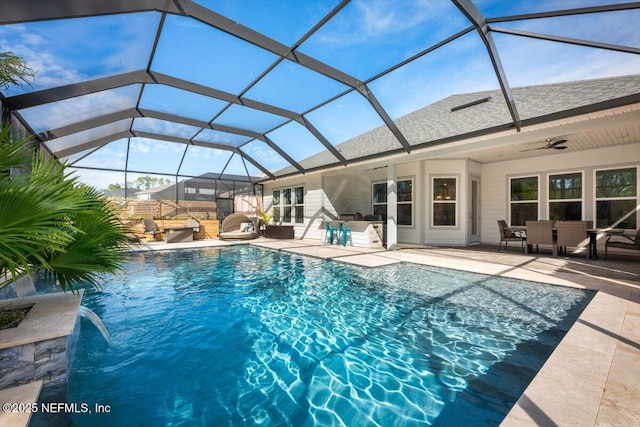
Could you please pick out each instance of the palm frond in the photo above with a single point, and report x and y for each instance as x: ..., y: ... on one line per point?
x: 49, y: 221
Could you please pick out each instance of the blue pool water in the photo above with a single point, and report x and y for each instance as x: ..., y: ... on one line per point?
x: 244, y: 336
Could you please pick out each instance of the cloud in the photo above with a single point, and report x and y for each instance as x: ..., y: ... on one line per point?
x: 264, y: 155
x: 71, y: 51
x: 74, y: 110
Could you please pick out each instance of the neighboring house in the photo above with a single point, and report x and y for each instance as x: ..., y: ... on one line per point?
x: 160, y: 192
x: 469, y: 168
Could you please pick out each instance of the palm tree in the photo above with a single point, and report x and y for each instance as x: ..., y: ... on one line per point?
x: 49, y: 220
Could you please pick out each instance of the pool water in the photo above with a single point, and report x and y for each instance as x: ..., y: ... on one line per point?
x: 246, y: 336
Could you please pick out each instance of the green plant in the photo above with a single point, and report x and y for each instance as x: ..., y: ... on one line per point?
x: 50, y: 221
x: 13, y: 70
x: 266, y: 216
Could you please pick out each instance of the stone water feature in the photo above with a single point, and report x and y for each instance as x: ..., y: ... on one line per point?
x: 36, y: 355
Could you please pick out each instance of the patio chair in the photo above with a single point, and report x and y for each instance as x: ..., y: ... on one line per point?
x: 507, y: 235
x: 345, y: 235
x: 150, y: 227
x: 540, y: 233
x: 629, y: 242
x: 572, y: 234
x: 330, y: 233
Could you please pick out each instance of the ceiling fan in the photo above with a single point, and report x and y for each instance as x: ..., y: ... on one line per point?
x: 555, y: 145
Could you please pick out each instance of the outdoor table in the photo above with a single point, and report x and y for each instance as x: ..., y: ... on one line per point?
x: 178, y: 234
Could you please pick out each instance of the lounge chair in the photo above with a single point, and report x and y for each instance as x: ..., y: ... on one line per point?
x: 238, y: 226
x: 150, y: 227
x: 628, y: 242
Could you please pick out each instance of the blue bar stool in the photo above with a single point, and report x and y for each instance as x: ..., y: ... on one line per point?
x: 345, y: 234
x: 330, y: 233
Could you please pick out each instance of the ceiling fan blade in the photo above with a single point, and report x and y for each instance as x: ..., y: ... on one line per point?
x: 561, y: 147
x: 558, y: 142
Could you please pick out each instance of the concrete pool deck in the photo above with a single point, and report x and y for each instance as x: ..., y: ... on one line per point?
x: 591, y: 379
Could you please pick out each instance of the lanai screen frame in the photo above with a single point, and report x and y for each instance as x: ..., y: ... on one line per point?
x: 484, y: 27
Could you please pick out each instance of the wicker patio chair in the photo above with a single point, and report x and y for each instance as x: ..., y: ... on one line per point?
x: 238, y: 226
x: 507, y: 235
x: 541, y: 233
x: 572, y: 234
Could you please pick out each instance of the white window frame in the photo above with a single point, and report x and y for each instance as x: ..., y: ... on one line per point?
x: 281, y: 206
x: 373, y: 203
x: 411, y: 180
x: 597, y: 199
x: 511, y: 202
x: 384, y: 183
x: 297, y: 205
x: 550, y: 201
x: 435, y: 200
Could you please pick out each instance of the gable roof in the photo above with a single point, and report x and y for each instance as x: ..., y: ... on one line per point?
x: 444, y: 121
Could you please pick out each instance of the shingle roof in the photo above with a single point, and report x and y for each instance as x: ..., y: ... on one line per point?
x: 437, y: 122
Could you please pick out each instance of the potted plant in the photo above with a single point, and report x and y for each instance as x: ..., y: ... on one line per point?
x: 266, y: 218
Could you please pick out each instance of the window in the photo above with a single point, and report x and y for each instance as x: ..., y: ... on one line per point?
x: 380, y: 200
x: 288, y: 205
x: 523, y: 204
x: 298, y: 203
x: 404, y: 203
x: 276, y: 206
x: 616, y: 198
x: 565, y: 197
x: 444, y: 201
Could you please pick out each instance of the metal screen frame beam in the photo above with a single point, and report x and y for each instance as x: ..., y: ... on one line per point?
x: 566, y: 40
x: 479, y: 22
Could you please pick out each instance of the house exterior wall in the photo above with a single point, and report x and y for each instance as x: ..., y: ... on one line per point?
x: 329, y: 194
x: 496, y: 176
x: 316, y: 204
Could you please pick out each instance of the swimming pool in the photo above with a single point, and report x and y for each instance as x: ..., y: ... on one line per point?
x: 245, y: 336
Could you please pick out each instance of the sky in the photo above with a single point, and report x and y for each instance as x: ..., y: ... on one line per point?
x: 364, y: 40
